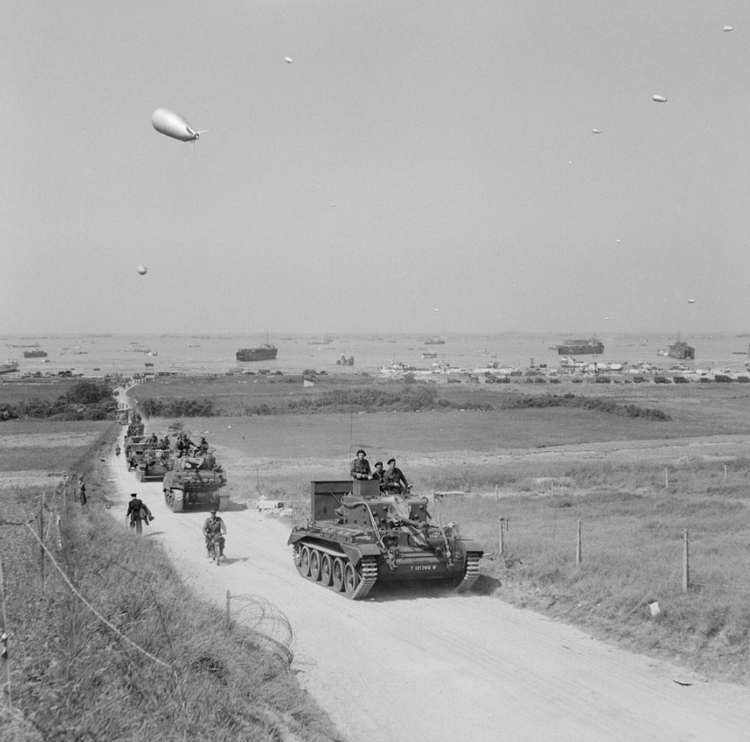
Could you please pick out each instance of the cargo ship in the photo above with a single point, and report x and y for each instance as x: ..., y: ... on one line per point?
x: 35, y: 354
x: 435, y: 341
x: 591, y: 346
x: 265, y: 352
x: 682, y: 351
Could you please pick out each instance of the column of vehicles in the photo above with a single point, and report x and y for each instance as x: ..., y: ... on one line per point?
x: 190, y: 474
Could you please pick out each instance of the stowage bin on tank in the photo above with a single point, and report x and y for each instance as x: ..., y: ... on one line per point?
x: 358, y: 535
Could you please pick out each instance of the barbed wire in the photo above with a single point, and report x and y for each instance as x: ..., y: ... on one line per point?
x: 92, y: 609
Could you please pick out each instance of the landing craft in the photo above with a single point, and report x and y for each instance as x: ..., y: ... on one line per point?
x: 173, y: 125
x: 658, y: 99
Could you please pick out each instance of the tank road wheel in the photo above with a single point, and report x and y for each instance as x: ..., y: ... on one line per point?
x: 314, y: 565
x: 176, y: 500
x: 338, y: 574
x: 351, y: 580
x: 326, y: 569
x: 304, y: 562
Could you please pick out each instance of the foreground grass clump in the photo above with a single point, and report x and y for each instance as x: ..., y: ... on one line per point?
x: 74, y: 678
x: 632, y: 556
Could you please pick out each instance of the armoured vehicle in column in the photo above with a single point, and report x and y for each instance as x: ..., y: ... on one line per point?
x: 195, y: 481
x: 358, y: 536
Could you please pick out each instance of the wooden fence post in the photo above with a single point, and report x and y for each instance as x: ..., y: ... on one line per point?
x: 666, y: 478
x: 41, y: 540
x: 501, y: 545
x: 4, y: 661
x: 578, y: 546
x: 229, y: 614
x: 686, y: 563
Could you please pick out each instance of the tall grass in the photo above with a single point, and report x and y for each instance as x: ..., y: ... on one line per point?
x: 632, y: 556
x: 74, y: 678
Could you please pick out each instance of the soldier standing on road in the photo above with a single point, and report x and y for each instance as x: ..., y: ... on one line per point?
x: 137, y: 513
x: 360, y: 468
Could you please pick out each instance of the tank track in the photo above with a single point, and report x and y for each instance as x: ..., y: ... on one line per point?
x: 369, y: 576
x: 471, y: 575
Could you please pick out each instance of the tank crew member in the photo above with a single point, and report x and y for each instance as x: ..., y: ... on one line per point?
x: 399, y: 516
x: 360, y: 466
x: 394, y: 478
x: 214, y: 526
x: 378, y: 473
x: 202, y: 447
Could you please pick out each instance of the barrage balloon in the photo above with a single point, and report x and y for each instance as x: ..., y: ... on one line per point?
x: 142, y: 270
x: 173, y: 125
x: 288, y: 60
x: 658, y: 99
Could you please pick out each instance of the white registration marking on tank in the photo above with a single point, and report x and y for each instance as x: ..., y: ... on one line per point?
x: 424, y: 567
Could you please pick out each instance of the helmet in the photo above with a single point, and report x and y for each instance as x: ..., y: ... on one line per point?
x: 213, y: 512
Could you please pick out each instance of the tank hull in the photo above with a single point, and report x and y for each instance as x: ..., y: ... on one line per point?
x: 350, y: 548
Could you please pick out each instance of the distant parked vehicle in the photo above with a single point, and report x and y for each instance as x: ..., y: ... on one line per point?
x: 722, y: 378
x: 679, y: 380
x: 661, y: 380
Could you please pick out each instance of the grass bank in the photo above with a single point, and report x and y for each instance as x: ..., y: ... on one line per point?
x: 167, y: 667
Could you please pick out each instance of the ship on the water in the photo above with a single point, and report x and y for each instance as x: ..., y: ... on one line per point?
x: 682, y: 351
x: 435, y: 341
x: 591, y: 346
x: 265, y: 352
x: 9, y: 367
x: 429, y: 354
x: 35, y: 354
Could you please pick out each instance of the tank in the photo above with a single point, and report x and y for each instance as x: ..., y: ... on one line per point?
x: 358, y: 536
x: 153, y: 465
x: 195, y: 481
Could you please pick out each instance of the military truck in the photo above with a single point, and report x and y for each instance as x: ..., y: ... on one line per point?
x: 195, y: 481
x: 358, y: 535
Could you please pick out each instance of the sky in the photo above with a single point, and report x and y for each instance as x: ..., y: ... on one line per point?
x: 420, y: 166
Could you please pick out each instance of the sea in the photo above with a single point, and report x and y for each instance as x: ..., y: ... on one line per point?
x: 101, y: 354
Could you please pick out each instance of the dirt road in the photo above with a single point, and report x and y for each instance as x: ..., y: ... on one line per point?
x: 429, y: 666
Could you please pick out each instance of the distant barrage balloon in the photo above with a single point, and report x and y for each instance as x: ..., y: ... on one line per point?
x: 728, y: 28
x: 173, y: 125
x: 658, y: 99
x: 596, y: 131
x: 142, y: 270
x: 288, y: 60
x: 691, y: 301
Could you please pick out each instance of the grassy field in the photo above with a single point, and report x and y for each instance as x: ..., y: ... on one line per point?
x: 50, y: 446
x: 632, y: 523
x: 74, y: 678
x: 12, y: 392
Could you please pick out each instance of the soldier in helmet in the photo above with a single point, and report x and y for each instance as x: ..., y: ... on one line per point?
x: 360, y: 468
x: 214, y: 526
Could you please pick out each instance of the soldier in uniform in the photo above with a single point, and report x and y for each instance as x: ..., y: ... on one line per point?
x: 378, y: 473
x: 394, y: 478
x: 360, y: 468
x: 214, y: 526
